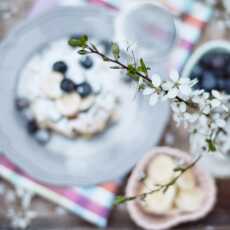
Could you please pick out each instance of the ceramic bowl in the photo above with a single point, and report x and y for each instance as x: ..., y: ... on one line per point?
x: 201, y: 51
x: 154, y: 222
x: 104, y: 158
x: 216, y: 165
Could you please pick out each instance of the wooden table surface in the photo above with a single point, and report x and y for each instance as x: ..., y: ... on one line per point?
x: 50, y: 217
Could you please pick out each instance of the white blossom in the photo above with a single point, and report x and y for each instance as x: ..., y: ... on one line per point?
x: 154, y: 92
x: 205, y: 112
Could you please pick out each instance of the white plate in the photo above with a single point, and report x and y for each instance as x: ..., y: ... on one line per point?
x: 112, y: 154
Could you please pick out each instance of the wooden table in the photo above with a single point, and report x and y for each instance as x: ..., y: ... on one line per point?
x: 50, y: 217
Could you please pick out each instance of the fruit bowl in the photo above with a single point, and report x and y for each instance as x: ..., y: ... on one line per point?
x: 160, y: 220
x: 106, y: 157
x: 210, y: 63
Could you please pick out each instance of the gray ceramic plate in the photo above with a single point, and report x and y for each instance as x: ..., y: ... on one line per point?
x: 108, y: 156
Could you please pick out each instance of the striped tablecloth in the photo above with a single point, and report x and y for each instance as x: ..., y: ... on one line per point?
x: 94, y: 203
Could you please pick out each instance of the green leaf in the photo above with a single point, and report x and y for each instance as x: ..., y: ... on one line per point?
x: 82, y: 52
x: 84, y: 38
x: 120, y: 200
x: 73, y: 42
x: 131, y: 69
x: 116, y: 51
x: 178, y: 169
x: 143, y: 68
x: 132, y: 72
x: 78, y: 42
x: 211, y: 145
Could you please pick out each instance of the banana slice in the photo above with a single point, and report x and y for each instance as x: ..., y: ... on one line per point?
x: 159, y: 202
x: 149, y: 184
x: 161, y: 169
x: 51, y: 85
x: 62, y: 127
x: 85, y: 126
x: 186, y: 181
x: 189, y: 200
x: 44, y: 111
x: 86, y: 103
x: 69, y: 104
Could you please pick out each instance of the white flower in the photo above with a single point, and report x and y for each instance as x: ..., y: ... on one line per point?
x: 147, y: 91
x: 177, y: 85
x: 174, y: 106
x: 154, y: 96
x: 207, y: 114
x: 172, y: 93
x: 182, y: 107
x: 185, y: 86
x: 203, y: 120
x: 206, y: 109
x: 155, y: 93
x: 179, y: 107
x: 191, y: 118
x: 167, y: 85
x: 220, y: 123
x: 216, y: 94
x: 215, y: 103
x: 156, y: 80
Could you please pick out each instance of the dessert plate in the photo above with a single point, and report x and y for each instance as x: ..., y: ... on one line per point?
x: 105, y: 157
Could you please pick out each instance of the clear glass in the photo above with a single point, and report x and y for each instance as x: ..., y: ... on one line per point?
x: 152, y: 29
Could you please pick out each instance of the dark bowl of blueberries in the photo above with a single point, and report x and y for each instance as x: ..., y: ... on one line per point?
x: 210, y: 65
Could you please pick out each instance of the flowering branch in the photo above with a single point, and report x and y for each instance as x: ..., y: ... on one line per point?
x: 205, y: 113
x: 158, y: 187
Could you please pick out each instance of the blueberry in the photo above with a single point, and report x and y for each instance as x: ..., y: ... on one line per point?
x: 218, y: 61
x: 32, y: 126
x: 227, y: 86
x: 209, y: 81
x: 197, y: 72
x: 86, y: 62
x: 107, y: 46
x: 84, y: 89
x: 219, y: 73
x: 60, y: 66
x: 43, y: 136
x: 21, y: 104
x: 227, y: 71
x: 67, y: 85
x: 221, y: 84
x: 207, y: 59
x: 226, y: 57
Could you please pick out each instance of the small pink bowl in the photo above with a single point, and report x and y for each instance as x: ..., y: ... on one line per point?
x: 154, y: 222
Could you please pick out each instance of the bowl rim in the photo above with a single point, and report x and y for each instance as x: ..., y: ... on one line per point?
x: 200, y: 51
